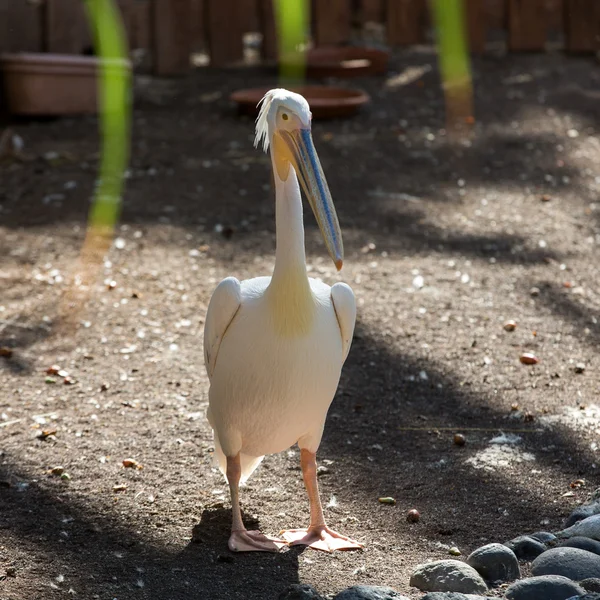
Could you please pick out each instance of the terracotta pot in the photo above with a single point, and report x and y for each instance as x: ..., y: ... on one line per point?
x: 325, y: 102
x: 345, y: 61
x: 52, y: 84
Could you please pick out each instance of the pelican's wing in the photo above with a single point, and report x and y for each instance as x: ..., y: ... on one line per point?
x: 223, y: 306
x: 344, y: 303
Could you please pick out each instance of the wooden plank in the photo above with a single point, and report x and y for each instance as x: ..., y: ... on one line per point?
x: 496, y: 13
x: 555, y: 10
x: 143, y: 24
x: 21, y: 27
x: 225, y: 30
x: 476, y: 25
x: 197, y: 22
x: 371, y: 11
x: 268, y: 28
x: 248, y: 14
x: 171, y: 47
x: 582, y: 26
x: 405, y: 20
x: 526, y: 25
x: 67, y: 30
x: 332, y: 22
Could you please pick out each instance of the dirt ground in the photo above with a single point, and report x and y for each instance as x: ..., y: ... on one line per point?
x: 427, y: 361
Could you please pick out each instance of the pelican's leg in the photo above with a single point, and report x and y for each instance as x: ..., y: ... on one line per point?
x: 318, y: 535
x: 242, y: 540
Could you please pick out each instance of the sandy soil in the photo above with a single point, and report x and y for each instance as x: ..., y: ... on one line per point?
x: 427, y: 362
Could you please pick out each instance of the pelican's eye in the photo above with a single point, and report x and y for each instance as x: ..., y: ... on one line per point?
x: 284, y: 116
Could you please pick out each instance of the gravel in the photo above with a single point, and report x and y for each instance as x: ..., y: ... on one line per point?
x: 495, y: 563
x: 548, y: 587
x: 448, y: 576
x: 574, y: 563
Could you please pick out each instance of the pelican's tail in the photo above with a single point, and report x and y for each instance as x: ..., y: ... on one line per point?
x: 249, y: 463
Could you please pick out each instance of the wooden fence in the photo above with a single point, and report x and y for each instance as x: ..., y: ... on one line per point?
x: 169, y: 31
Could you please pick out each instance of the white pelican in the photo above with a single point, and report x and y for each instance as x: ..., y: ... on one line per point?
x: 274, y: 346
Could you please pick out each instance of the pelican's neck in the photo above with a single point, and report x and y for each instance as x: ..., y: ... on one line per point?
x: 290, y: 257
x: 290, y: 297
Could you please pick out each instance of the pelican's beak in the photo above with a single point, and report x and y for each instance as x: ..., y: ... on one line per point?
x: 305, y: 161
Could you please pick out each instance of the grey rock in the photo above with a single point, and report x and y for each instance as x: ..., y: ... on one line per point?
x: 590, y: 585
x: 300, y: 591
x: 495, y: 562
x: 582, y: 512
x: 526, y: 547
x: 592, y: 596
x: 589, y: 527
x: 573, y: 563
x: 454, y: 596
x: 369, y: 592
x: 583, y: 543
x: 548, y: 587
x: 543, y: 536
x: 448, y: 576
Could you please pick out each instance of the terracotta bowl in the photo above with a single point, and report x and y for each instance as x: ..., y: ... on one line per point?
x: 345, y: 61
x: 52, y: 84
x: 325, y: 102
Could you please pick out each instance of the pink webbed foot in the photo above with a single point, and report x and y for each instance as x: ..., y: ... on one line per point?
x: 320, y: 538
x: 253, y: 541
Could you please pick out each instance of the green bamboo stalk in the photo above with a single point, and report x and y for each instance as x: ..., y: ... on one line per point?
x: 114, y: 85
x: 292, y: 18
x: 453, y: 56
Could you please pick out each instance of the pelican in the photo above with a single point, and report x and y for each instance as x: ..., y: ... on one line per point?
x: 274, y: 346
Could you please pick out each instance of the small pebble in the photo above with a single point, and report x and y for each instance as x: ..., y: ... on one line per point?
x: 527, y: 358
x: 579, y: 368
x: 459, y: 439
x: 387, y: 500
x: 6, y: 352
x: 510, y: 325
x: 534, y: 291
x: 57, y: 470
x: 454, y: 551
x: 413, y: 516
x: 129, y: 463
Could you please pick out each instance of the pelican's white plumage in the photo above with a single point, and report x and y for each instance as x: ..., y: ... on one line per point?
x: 275, y: 346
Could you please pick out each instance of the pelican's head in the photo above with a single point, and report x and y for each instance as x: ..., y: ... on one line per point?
x: 284, y: 125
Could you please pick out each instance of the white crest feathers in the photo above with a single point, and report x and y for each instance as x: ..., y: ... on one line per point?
x: 262, y: 124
